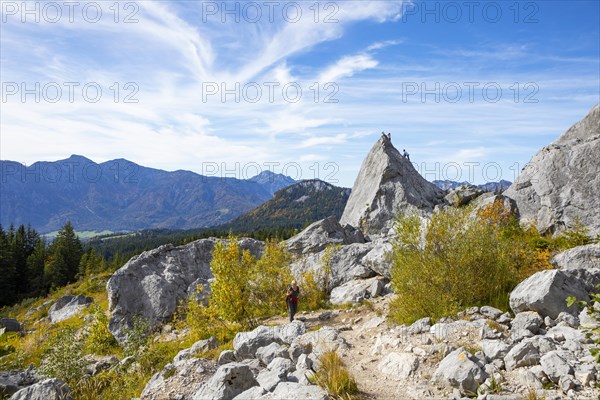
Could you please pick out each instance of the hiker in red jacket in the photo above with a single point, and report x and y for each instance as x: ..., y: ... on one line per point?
x: 292, y: 299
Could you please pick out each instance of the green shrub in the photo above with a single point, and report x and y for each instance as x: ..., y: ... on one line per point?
x: 99, y: 340
x: 457, y: 260
x: 63, y: 357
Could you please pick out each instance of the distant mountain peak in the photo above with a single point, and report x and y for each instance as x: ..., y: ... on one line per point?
x: 272, y: 181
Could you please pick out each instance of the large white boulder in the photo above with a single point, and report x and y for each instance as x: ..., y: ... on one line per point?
x: 387, y: 184
x: 560, y: 183
x: 546, y: 293
x: 151, y: 285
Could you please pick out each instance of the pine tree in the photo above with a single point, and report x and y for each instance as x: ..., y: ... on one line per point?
x: 66, y: 251
x: 7, y: 270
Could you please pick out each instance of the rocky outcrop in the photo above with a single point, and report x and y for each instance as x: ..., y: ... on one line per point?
x: 387, y: 184
x: 67, y: 307
x: 560, y: 183
x: 150, y: 285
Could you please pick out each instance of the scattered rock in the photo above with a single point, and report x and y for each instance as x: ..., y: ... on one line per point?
x: 580, y: 257
x: 524, y: 354
x: 268, y: 353
x: 318, y: 235
x: 226, y: 357
x: 462, y: 195
x: 525, y: 324
x: 291, y: 390
x: 10, y: 325
x: 357, y: 290
x: 68, y: 306
x: 229, y: 381
x: 555, y: 366
x: 459, y: 370
x: 490, y: 312
x: 546, y: 292
x: 202, y: 346
x: 322, y: 340
x: 49, y: 389
x: 420, y: 326
x: 400, y: 365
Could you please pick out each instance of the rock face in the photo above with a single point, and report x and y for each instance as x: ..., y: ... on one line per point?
x: 151, y: 285
x: 386, y: 185
x: 561, y: 181
x: 67, y: 307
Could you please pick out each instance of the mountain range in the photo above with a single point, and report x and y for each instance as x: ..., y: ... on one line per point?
x: 119, y: 195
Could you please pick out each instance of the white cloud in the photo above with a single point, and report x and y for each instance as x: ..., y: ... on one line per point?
x: 347, y: 67
x: 323, y: 140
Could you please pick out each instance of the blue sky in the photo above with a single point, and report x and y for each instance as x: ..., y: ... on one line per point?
x: 369, y: 61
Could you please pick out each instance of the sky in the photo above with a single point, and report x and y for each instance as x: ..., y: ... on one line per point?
x: 228, y: 88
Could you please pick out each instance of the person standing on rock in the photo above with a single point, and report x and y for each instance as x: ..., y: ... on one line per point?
x: 292, y: 299
x: 405, y: 155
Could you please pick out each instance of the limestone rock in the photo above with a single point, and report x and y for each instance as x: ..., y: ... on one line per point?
x: 525, y: 324
x: 49, y: 389
x: 387, y: 184
x: 291, y: 390
x: 151, y: 284
x: 254, y: 393
x: 546, y: 292
x: 357, y: 290
x: 400, y: 365
x: 325, y: 339
x: 246, y: 344
x: 67, y: 307
x: 494, y: 349
x: 268, y: 353
x: 204, y: 345
x: 317, y: 236
x: 13, y: 381
x: 555, y: 366
x: 524, y: 354
x: 10, y: 325
x: 229, y: 381
x: 580, y: 257
x: 561, y: 181
x: 458, y: 370
x: 462, y: 195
